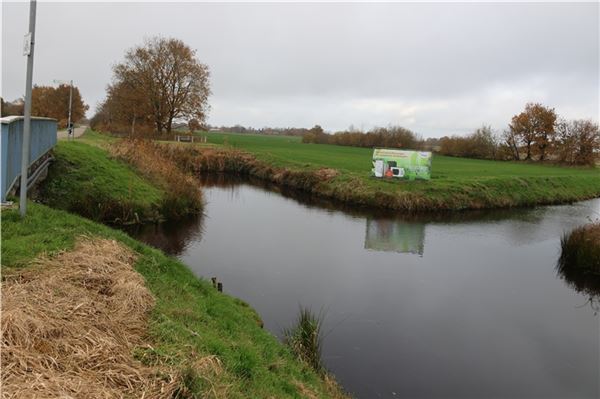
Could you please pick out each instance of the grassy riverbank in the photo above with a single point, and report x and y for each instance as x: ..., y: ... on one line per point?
x: 190, y: 320
x: 93, y: 178
x: 343, y: 173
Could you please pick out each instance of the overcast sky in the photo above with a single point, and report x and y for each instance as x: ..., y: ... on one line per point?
x: 436, y: 68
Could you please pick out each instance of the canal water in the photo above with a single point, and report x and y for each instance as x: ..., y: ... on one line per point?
x: 466, y: 305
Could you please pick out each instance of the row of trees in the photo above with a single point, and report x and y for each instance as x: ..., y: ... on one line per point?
x: 50, y: 102
x: 482, y: 144
x: 9, y: 108
x: 156, y: 85
x: 391, y: 136
x: 269, y: 131
x: 536, y: 134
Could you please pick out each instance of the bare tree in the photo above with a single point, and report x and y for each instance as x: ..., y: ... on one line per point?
x: 578, y: 141
x: 511, y: 140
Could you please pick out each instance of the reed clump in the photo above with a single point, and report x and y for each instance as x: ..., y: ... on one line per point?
x: 580, y: 249
x: 305, y: 338
x: 70, y: 325
x: 183, y: 195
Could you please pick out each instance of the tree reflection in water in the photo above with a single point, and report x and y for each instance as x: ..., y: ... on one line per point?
x: 170, y: 237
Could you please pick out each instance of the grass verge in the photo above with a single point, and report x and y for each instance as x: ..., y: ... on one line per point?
x: 86, y: 179
x: 190, y: 320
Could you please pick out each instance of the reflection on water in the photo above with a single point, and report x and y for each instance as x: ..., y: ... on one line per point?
x: 463, y: 305
x: 171, y: 237
x: 582, y: 281
x: 394, y: 235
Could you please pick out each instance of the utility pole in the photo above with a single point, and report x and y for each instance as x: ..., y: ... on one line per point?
x: 28, y: 51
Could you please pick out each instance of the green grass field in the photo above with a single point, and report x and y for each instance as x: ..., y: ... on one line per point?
x: 457, y: 183
x: 287, y: 150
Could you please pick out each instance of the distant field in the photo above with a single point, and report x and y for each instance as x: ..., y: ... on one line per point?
x: 290, y: 151
x: 457, y: 183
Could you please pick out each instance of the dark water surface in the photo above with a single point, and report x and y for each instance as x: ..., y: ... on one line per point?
x: 442, y: 306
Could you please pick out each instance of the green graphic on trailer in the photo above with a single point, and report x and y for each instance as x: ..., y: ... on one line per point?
x: 401, y: 164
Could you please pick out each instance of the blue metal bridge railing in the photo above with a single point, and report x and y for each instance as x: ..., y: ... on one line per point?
x: 43, y: 139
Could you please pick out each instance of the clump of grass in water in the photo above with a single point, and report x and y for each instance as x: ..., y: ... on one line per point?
x: 580, y: 249
x: 305, y: 338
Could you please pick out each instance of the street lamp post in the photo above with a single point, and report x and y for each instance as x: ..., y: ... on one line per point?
x: 70, y: 131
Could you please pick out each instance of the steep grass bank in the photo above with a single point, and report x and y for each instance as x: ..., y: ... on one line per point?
x: 190, y: 320
x: 456, y: 184
x: 88, y: 180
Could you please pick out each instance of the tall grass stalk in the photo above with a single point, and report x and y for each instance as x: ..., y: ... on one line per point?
x: 305, y: 338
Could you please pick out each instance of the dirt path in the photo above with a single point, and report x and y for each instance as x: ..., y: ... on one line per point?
x: 62, y: 134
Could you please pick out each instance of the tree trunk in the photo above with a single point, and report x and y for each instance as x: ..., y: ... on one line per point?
x: 528, y: 157
x: 132, y: 127
x: 159, y: 126
x: 169, y: 124
x: 516, y: 152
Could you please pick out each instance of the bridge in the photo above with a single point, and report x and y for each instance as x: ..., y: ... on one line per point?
x: 43, y: 139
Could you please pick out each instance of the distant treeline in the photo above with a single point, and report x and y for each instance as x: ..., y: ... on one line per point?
x: 50, y: 102
x: 271, y: 131
x: 391, y: 136
x: 536, y: 134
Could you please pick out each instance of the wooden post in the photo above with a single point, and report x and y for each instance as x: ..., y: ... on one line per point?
x: 220, y: 287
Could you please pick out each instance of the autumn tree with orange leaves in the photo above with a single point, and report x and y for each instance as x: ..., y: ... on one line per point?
x: 534, y: 129
x: 53, y: 102
x: 158, y: 83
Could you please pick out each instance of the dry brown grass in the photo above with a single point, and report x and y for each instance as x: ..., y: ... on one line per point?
x: 183, y: 195
x: 70, y: 324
